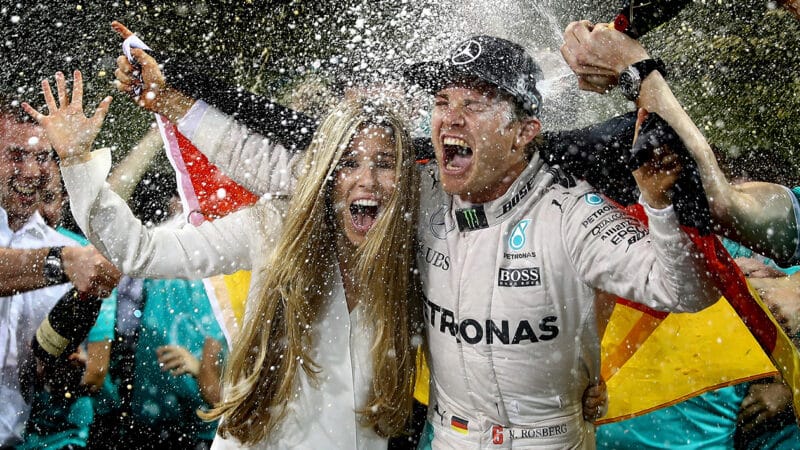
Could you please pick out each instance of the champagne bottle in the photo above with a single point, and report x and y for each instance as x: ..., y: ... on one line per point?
x: 66, y: 326
x: 637, y: 17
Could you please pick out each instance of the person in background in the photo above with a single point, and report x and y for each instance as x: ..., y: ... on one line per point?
x: 59, y: 421
x: 766, y: 417
x: 38, y: 265
x: 168, y: 347
x: 755, y: 213
x: 31, y: 288
x: 760, y: 215
x: 166, y: 394
x: 170, y: 385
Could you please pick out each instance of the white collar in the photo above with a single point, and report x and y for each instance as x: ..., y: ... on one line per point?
x: 35, y: 226
x: 531, y: 184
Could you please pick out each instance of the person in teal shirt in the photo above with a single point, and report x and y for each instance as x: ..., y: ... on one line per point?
x: 176, y: 313
x: 60, y: 422
x: 168, y: 317
x: 172, y: 318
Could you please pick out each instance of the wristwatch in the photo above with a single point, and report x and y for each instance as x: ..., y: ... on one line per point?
x: 54, y: 267
x: 630, y: 80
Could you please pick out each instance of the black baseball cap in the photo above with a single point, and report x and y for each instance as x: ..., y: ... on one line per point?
x: 494, y: 60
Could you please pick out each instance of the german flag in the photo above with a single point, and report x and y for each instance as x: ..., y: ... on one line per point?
x: 459, y: 425
x: 651, y: 359
x: 207, y: 194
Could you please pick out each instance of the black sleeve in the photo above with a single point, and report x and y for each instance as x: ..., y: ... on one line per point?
x: 290, y: 128
x: 598, y: 153
x: 604, y: 155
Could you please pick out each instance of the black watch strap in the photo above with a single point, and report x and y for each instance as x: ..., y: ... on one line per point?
x: 630, y: 80
x: 646, y: 66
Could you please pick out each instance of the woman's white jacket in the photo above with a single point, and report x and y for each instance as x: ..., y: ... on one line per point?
x: 322, y: 415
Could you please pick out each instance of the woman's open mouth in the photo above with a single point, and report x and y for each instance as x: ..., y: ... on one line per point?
x: 364, y: 213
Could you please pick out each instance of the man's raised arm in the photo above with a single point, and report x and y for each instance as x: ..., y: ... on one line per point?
x: 759, y: 215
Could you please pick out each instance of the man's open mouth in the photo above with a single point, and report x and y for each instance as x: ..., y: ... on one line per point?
x: 457, y: 154
x: 25, y: 192
x: 364, y: 212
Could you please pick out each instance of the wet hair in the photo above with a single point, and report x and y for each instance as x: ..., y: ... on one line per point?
x: 519, y: 112
x: 274, y: 345
x: 517, y: 108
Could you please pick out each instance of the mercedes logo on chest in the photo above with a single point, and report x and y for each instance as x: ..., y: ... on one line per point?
x: 466, y: 53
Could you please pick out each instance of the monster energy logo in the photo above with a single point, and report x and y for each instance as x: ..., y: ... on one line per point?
x: 471, y: 219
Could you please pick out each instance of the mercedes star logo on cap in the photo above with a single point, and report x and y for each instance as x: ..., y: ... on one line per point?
x: 466, y: 52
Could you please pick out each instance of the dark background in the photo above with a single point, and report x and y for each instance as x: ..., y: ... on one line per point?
x: 733, y: 64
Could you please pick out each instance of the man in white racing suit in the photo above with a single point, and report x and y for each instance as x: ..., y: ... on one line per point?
x: 513, y: 262
x: 510, y: 308
x: 512, y: 253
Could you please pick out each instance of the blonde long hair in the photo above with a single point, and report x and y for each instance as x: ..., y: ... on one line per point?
x: 260, y: 376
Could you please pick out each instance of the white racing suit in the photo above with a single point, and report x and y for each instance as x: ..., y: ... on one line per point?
x: 510, y: 290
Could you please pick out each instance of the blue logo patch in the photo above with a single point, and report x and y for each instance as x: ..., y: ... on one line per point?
x: 593, y: 199
x: 517, y: 239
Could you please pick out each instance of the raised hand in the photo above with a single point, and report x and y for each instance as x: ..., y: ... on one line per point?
x: 597, y: 54
x: 656, y: 177
x: 144, y: 82
x: 141, y: 79
x: 178, y: 360
x: 68, y: 129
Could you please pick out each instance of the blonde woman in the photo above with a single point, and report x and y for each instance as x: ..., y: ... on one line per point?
x: 325, y: 358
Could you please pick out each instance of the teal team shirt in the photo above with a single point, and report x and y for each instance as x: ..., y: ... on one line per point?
x: 176, y: 312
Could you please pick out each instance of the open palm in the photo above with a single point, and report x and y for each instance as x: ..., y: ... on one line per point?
x: 68, y: 129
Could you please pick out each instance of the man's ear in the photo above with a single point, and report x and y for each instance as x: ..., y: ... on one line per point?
x: 529, y: 129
